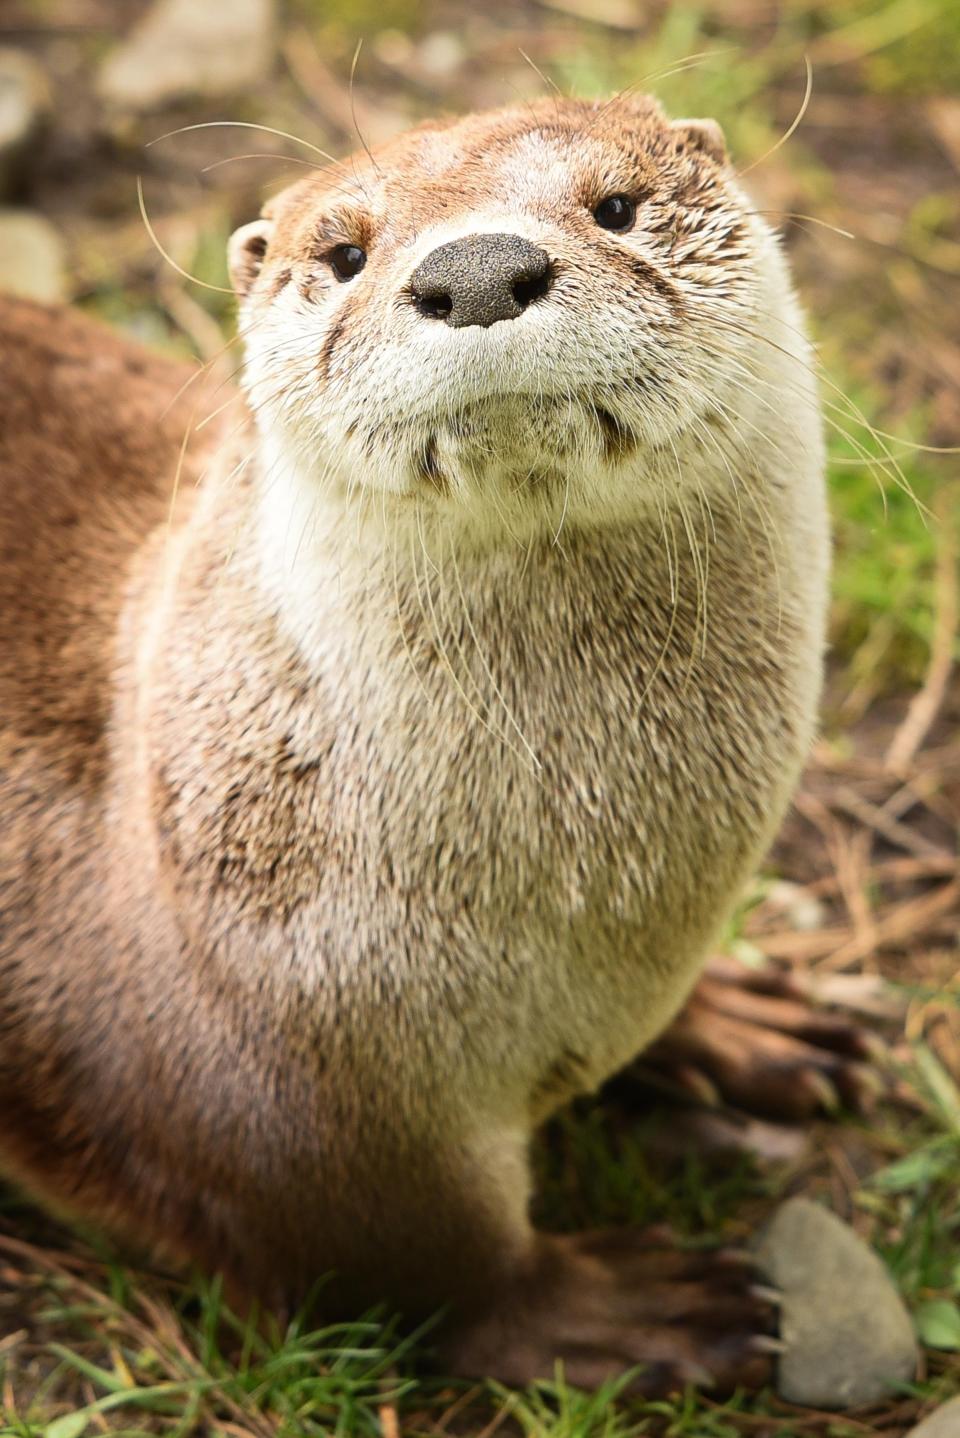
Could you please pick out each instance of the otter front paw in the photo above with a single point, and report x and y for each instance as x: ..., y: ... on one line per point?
x: 604, y: 1303
x: 754, y: 1039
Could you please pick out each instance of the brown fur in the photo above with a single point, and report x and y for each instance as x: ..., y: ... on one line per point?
x: 295, y: 951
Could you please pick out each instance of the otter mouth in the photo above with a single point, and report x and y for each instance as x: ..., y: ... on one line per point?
x: 523, y: 442
x: 428, y: 469
x: 619, y: 440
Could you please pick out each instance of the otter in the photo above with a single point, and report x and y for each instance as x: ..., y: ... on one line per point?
x: 380, y: 760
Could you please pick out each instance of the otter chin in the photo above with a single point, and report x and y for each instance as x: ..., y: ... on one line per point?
x: 514, y: 448
x: 389, y: 785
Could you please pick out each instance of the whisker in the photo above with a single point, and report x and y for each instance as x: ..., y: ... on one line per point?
x: 796, y: 215
x: 202, y: 424
x: 246, y: 125
x: 201, y: 370
x: 798, y: 119
x: 701, y: 615
x: 547, y: 80
x: 353, y: 110
x: 264, y: 155
x: 853, y: 411
x: 220, y: 289
x: 678, y: 67
x: 761, y: 510
x: 489, y: 672
x: 402, y: 628
x: 433, y: 628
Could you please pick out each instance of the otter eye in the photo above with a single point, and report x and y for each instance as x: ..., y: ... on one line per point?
x: 347, y: 261
x: 615, y: 213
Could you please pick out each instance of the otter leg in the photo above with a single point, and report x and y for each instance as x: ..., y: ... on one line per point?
x: 444, y: 1227
x: 428, y: 1225
x: 517, y: 1302
x: 755, y: 1039
x: 613, y: 1301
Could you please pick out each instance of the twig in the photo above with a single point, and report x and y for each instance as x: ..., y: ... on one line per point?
x: 838, y: 946
x: 614, y: 14
x: 873, y: 817
x: 389, y: 1422
x: 918, y: 789
x: 893, y: 871
x: 171, y: 1350
x: 925, y: 705
x: 906, y: 921
x: 852, y: 864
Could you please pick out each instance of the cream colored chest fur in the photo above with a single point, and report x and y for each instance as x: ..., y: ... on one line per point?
x: 504, y: 810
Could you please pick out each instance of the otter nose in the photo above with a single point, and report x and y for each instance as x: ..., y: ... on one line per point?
x: 480, y: 279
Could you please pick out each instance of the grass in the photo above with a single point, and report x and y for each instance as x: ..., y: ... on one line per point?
x: 141, y: 1355
x: 885, y: 533
x: 87, y: 1345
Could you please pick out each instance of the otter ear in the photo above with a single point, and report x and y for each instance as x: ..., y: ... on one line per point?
x: 705, y: 135
x: 246, y: 249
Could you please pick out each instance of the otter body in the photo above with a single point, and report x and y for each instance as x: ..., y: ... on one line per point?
x: 392, y: 791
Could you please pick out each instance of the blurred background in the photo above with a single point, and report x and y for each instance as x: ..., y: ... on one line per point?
x: 862, y: 889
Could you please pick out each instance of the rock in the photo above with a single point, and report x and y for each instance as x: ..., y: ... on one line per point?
x: 441, y: 54
x: 24, y: 108
x: 866, y: 994
x: 801, y: 909
x: 848, y: 1337
x: 943, y: 1423
x: 32, y: 259
x: 184, y: 48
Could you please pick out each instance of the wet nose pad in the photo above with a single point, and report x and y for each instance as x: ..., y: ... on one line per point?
x: 480, y: 279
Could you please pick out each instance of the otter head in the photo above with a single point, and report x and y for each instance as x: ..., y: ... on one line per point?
x: 531, y: 307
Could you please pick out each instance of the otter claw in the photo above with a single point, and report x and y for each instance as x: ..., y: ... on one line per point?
x: 766, y: 1294
x: 767, y: 1343
x: 729, y: 1255
x: 744, y: 1041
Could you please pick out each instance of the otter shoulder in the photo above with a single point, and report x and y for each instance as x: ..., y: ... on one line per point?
x: 90, y: 435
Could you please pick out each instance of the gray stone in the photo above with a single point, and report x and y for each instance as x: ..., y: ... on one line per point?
x: 848, y: 1336
x: 24, y: 108
x: 182, y: 48
x: 943, y: 1423
x: 32, y: 261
